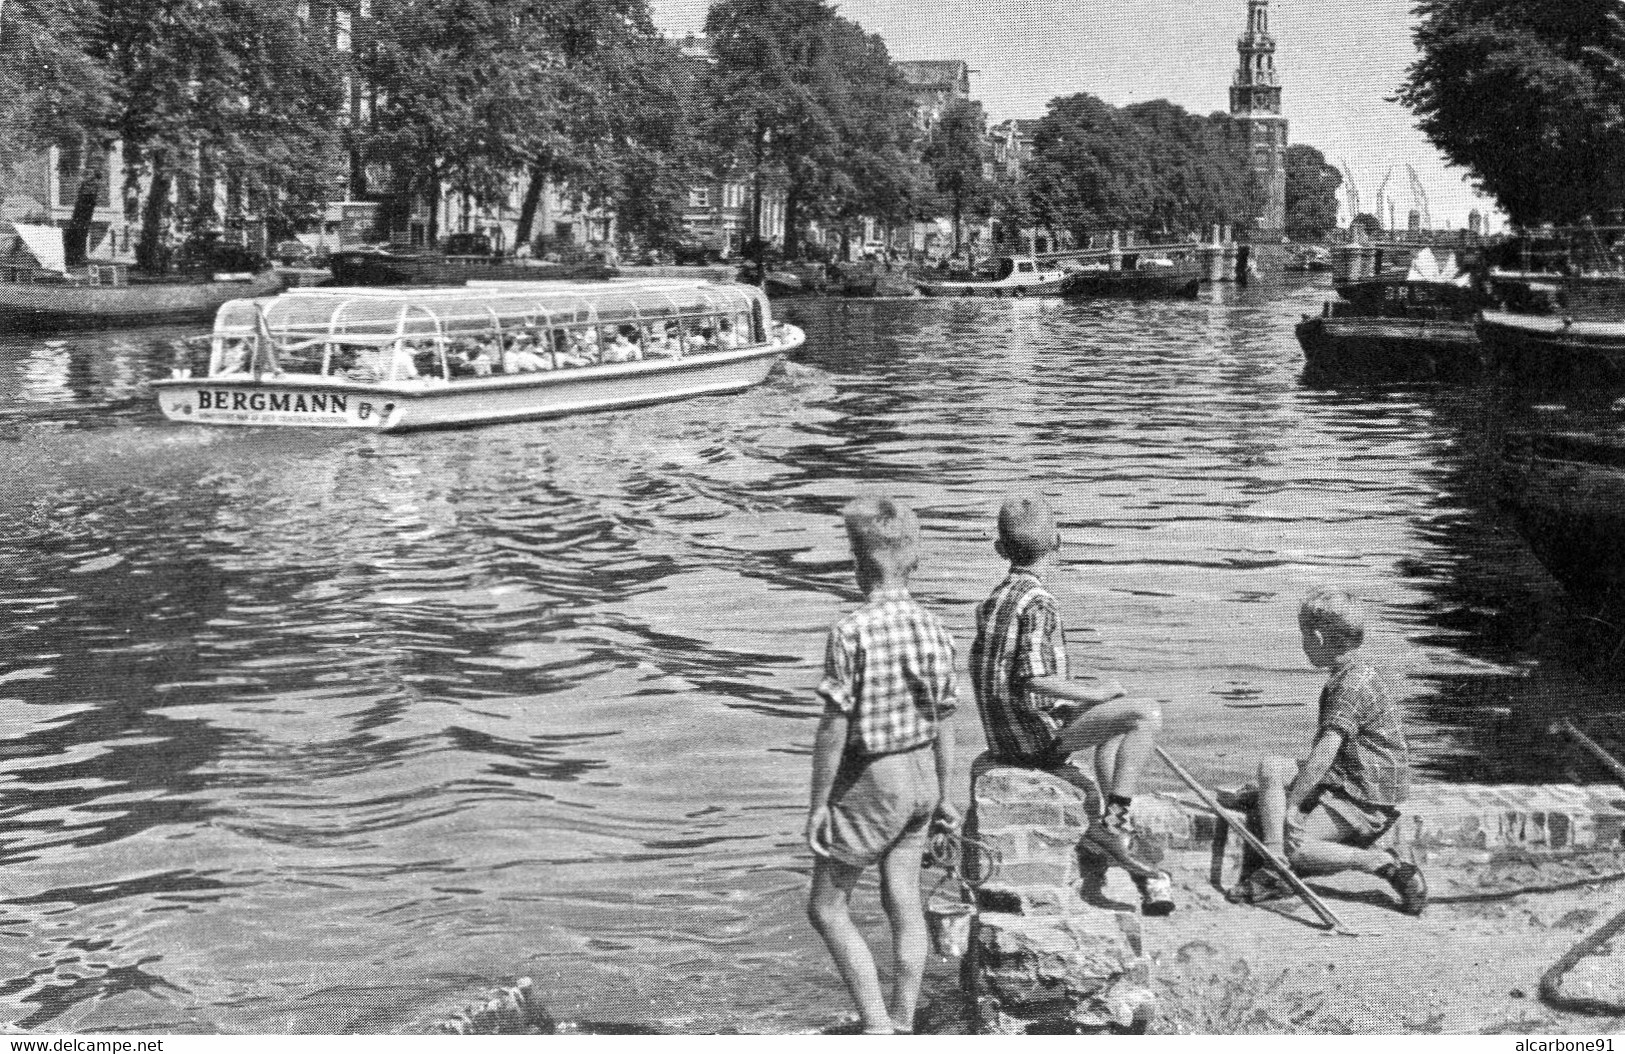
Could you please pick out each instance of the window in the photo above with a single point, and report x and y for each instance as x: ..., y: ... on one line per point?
x: 699, y: 197
x: 302, y: 10
x: 341, y: 30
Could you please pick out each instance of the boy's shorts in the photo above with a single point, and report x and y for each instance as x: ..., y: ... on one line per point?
x: 1361, y: 824
x: 879, y: 799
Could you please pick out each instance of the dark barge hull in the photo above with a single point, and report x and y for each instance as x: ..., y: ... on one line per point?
x: 1142, y: 285
x: 67, y: 305
x: 1389, y: 348
x: 1548, y: 350
x: 1566, y: 495
x: 371, y: 267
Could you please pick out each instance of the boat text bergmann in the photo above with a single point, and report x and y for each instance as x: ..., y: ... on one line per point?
x: 399, y: 359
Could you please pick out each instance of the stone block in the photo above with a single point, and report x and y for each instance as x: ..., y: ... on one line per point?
x: 1026, y: 900
x: 1078, y: 972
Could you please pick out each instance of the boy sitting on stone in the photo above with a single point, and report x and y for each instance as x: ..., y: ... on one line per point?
x: 880, y: 761
x: 1035, y: 717
x: 1329, y: 810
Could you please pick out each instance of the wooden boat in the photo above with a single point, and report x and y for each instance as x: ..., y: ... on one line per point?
x: 394, y: 360
x: 40, y: 300
x: 1137, y: 278
x: 1395, y: 328
x: 1553, y: 350
x: 1013, y: 276
x: 1566, y: 495
x: 383, y: 267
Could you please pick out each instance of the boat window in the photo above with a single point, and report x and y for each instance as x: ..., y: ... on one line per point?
x: 1006, y: 268
x: 1024, y: 267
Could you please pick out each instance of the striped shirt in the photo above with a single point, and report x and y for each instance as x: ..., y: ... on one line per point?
x: 1018, y: 638
x: 1373, y: 765
x: 889, y: 667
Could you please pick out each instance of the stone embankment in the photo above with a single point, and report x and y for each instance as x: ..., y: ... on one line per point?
x: 1518, y: 874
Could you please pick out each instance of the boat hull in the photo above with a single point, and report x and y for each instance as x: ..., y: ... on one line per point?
x: 313, y: 402
x: 1566, y: 496
x: 1050, y: 287
x: 1389, y: 348
x: 359, y: 267
x: 1551, y: 350
x: 1143, y: 285
x: 37, y: 306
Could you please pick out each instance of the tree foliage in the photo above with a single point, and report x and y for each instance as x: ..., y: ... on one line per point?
x: 799, y: 93
x: 956, y: 154
x: 1151, y: 166
x: 1311, y: 193
x: 1528, y: 96
x: 52, y: 90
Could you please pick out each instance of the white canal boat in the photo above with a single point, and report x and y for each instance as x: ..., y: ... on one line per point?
x: 399, y: 359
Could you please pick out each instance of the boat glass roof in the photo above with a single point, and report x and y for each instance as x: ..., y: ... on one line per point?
x: 479, y: 307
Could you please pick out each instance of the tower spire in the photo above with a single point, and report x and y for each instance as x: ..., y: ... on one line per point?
x: 1255, y: 98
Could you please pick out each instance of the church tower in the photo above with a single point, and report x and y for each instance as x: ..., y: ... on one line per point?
x: 1255, y: 100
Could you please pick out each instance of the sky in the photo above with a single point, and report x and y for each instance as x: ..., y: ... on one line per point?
x: 1339, y: 61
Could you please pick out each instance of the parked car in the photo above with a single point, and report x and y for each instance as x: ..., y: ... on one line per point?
x: 292, y: 253
x: 689, y: 251
x: 467, y: 245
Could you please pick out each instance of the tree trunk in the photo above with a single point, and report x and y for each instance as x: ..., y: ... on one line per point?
x: 77, y: 234
x: 958, y: 213
x: 528, y: 206
x: 151, y: 247
x: 757, y: 246
x: 792, y: 224
x: 432, y: 195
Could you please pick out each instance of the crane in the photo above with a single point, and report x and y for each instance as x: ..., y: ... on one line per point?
x: 1380, y: 190
x: 1353, y: 194
x: 1421, y: 195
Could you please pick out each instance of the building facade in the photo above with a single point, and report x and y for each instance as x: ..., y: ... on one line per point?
x: 1255, y: 100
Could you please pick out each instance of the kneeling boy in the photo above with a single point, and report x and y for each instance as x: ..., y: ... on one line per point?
x: 1329, y: 810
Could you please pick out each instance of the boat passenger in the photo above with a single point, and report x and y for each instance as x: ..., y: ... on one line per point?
x: 622, y: 348
x: 726, y: 335
x: 585, y: 346
x: 234, y: 357
x: 400, y: 362
x: 521, y: 357
x: 473, y: 360
x: 699, y: 340
x: 664, y: 343
x: 564, y: 355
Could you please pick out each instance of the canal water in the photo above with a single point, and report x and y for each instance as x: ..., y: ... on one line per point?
x: 315, y: 732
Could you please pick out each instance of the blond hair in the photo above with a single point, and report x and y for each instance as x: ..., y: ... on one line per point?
x: 1027, y: 529
x: 882, y: 531
x: 1336, y: 613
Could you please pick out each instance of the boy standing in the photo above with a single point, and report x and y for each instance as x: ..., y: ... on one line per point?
x: 1328, y: 811
x: 880, y: 761
x: 1036, y: 717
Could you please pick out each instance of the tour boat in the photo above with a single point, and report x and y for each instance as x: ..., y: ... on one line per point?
x: 1015, y: 276
x: 399, y: 359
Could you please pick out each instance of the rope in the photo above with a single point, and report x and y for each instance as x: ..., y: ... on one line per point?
x: 1551, y: 982
x: 946, y: 849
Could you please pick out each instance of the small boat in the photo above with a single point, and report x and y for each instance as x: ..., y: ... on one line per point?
x: 39, y: 292
x: 1013, y: 276
x: 1566, y: 495
x: 399, y: 359
x: 1137, y: 278
x: 1420, y: 326
x: 384, y: 267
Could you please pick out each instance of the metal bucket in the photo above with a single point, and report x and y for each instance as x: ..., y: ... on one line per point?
x: 949, y: 922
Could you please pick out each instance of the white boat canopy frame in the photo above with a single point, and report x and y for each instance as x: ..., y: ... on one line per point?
x: 300, y: 330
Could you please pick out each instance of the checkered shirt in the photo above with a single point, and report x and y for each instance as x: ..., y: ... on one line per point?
x: 1373, y: 765
x: 889, y: 667
x: 1018, y: 638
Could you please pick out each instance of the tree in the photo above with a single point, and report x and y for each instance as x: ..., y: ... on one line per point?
x: 1311, y: 193
x: 1150, y: 166
x: 956, y: 153
x: 802, y: 94
x: 233, y: 96
x: 1529, y: 97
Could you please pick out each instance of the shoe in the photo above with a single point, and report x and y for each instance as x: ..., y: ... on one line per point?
x: 1156, y: 894
x: 1407, y: 880
x: 1113, y: 838
x: 1260, y: 887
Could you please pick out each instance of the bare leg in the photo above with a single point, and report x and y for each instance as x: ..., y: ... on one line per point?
x: 829, y: 907
x: 1317, y: 844
x: 900, y: 895
x: 1134, y: 723
x: 1274, y: 775
x: 1106, y: 764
